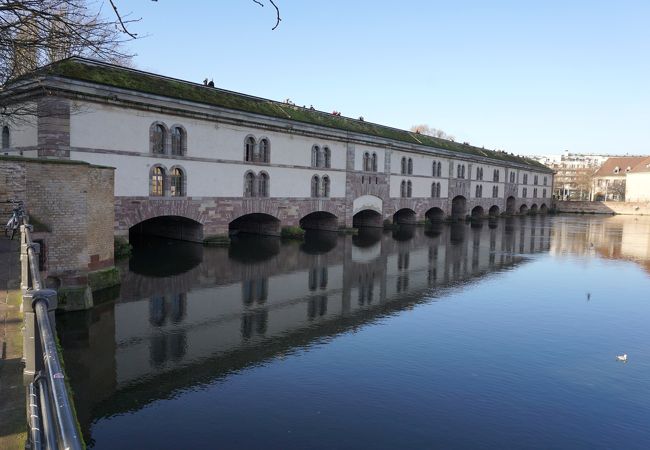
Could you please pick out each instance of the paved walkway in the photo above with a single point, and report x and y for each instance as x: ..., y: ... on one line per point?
x: 12, y: 390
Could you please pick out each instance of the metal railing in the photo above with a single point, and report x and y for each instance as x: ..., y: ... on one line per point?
x: 50, y: 416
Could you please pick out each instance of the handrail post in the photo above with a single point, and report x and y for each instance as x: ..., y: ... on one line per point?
x: 32, y: 348
x: 24, y: 259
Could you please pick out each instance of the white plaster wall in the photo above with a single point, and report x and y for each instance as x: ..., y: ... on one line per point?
x: 637, y: 187
x: 23, y: 133
x: 359, y: 150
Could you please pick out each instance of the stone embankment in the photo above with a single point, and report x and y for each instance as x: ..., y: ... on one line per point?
x: 631, y: 208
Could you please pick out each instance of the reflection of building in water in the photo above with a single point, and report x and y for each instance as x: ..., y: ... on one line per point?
x: 617, y: 237
x: 237, y: 311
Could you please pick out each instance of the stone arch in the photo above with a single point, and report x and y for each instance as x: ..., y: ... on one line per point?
x: 510, y: 205
x: 493, y: 211
x: 168, y: 226
x: 255, y: 223
x: 371, y: 202
x: 477, y: 212
x: 434, y: 215
x: 523, y: 209
x: 458, y: 207
x: 159, y: 145
x: 404, y: 216
x: 319, y: 220
x: 543, y: 209
x: 533, y: 209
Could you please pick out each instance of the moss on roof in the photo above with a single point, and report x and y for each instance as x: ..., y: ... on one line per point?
x: 115, y: 76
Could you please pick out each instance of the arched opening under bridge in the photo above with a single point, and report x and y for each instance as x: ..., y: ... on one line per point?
x: 404, y: 216
x: 543, y: 209
x: 523, y: 209
x: 435, y: 215
x: 255, y: 223
x: 533, y: 209
x: 367, y: 218
x: 510, y: 205
x: 458, y: 207
x: 478, y: 212
x: 493, y: 211
x: 319, y: 220
x: 170, y: 227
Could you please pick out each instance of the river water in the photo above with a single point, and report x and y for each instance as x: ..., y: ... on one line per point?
x: 503, y: 335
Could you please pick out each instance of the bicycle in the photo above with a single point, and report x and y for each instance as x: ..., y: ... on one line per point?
x: 16, y: 219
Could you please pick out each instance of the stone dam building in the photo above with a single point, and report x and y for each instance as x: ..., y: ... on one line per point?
x: 193, y: 161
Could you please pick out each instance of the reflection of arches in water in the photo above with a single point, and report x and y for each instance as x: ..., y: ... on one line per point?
x: 367, y: 218
x: 316, y: 307
x: 169, y: 227
x: 510, y: 205
x: 434, y: 229
x: 367, y: 237
x: 318, y: 242
x: 161, y: 306
x: 403, y: 260
x: 366, y: 288
x: 458, y: 207
x: 158, y: 257
x: 253, y: 249
x: 319, y: 220
x: 523, y: 209
x: 404, y: 232
x: 457, y: 233
x: 435, y: 215
x: 402, y: 284
x: 164, y: 347
x: 255, y: 223
x: 404, y: 216
x: 255, y: 291
x: 254, y: 323
x: 318, y: 277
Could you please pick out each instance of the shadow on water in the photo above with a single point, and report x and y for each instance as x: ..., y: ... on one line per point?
x: 367, y: 236
x: 404, y: 232
x: 249, y: 248
x: 319, y: 242
x: 160, y: 257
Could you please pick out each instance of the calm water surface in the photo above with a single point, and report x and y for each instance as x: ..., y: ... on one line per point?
x: 500, y: 336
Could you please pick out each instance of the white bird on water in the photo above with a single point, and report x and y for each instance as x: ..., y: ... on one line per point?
x: 622, y: 357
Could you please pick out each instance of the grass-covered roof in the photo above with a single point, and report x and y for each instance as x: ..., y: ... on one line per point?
x: 124, y: 78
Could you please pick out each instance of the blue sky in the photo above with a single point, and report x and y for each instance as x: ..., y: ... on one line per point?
x: 530, y: 77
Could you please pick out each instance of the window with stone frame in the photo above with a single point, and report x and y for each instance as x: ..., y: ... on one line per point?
x: 543, y: 193
x: 326, y: 187
x: 315, y: 156
x: 373, y: 162
x: 366, y: 162
x: 315, y: 186
x: 495, y: 191
x: 403, y: 167
x: 263, y: 185
x: 249, y: 184
x: 410, y: 166
x: 402, y: 189
x: 177, y: 182
x: 327, y: 157
x: 6, y: 143
x: 264, y: 150
x: 525, y: 193
x: 158, y: 138
x: 409, y: 189
x: 495, y: 175
x: 512, y: 177
x: 157, y: 182
x: 525, y: 178
x: 178, y: 141
x: 249, y: 149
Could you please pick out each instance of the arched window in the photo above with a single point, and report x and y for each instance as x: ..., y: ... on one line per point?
x: 478, y: 173
x: 535, y: 193
x: 462, y: 171
x: 543, y: 193
x: 326, y: 186
x: 157, y: 182
x: 439, y: 171
x: 366, y: 161
x: 249, y: 148
x: 435, y: 190
x: 410, y: 167
x: 403, y: 166
x: 525, y: 193
x: 495, y: 191
x: 158, y: 137
x: 327, y: 154
x: 315, y: 152
x: 176, y: 185
x: 476, y: 194
x: 409, y: 188
x: 5, y: 137
x: 265, y: 150
x: 545, y: 182
x: 249, y: 184
x: 178, y: 141
x: 525, y: 178
x: 315, y: 186
x: 263, y: 185
x: 374, y: 162
x: 402, y: 189
x: 512, y: 177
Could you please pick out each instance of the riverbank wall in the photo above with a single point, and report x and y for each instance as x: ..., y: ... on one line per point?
x: 628, y: 208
